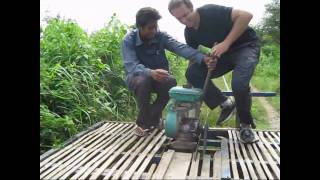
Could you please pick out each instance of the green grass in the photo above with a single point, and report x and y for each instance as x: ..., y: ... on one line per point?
x: 81, y: 80
x: 272, y: 85
x: 267, y: 73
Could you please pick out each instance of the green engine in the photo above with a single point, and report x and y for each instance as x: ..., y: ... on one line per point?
x: 182, y: 121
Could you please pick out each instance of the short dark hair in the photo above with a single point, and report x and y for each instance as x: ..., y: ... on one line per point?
x: 176, y: 3
x: 146, y: 15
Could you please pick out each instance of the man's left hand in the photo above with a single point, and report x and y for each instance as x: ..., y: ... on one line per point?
x: 219, y: 49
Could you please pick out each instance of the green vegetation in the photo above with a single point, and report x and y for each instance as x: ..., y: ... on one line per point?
x: 81, y: 80
x: 268, y: 70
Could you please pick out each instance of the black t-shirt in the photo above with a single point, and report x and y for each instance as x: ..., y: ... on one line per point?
x: 215, y: 25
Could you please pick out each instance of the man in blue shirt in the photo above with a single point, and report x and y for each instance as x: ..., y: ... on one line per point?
x: 147, y: 68
x: 237, y: 50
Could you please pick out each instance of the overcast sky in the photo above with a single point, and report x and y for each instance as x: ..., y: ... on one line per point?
x: 91, y: 15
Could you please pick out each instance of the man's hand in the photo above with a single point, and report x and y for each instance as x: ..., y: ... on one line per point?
x: 219, y: 49
x: 211, y: 62
x: 160, y: 75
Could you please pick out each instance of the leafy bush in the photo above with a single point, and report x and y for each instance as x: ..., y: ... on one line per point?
x: 81, y: 79
x: 269, y: 64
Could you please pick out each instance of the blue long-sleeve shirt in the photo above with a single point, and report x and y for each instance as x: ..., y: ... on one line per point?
x: 139, y: 57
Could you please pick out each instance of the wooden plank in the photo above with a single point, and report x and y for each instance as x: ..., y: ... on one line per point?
x: 242, y: 164
x: 270, y: 149
x: 179, y: 165
x: 270, y: 138
x: 272, y: 164
x: 247, y: 160
x: 110, y: 134
x: 66, y: 150
x: 163, y: 164
x: 94, y: 152
x: 80, y: 158
x: 73, y: 139
x: 82, y: 139
x: 148, y: 159
x: 194, y: 167
x: 91, y: 164
x: 256, y: 163
x: 113, y: 157
x: 150, y: 172
x: 123, y: 158
x: 275, y: 136
x: 233, y: 159
x: 217, y: 165
x: 94, y: 163
x: 75, y: 154
x: 143, y: 176
x: 205, y: 170
x: 133, y: 155
x: 272, y: 141
x: 141, y: 157
x: 262, y: 161
x: 225, y: 168
x: 79, y: 140
x: 60, y: 166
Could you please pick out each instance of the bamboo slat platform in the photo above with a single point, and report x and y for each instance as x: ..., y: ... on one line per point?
x: 112, y: 151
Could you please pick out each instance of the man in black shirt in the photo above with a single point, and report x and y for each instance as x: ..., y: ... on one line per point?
x: 237, y: 50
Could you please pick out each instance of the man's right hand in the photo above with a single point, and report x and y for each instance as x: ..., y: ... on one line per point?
x: 160, y: 75
x: 211, y: 62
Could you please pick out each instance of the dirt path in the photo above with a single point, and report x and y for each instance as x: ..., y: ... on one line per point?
x: 273, y: 115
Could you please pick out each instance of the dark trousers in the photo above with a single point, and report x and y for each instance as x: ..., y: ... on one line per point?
x: 142, y: 87
x: 243, y: 62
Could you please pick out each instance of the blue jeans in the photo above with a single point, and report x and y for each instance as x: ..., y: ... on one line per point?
x: 242, y: 61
